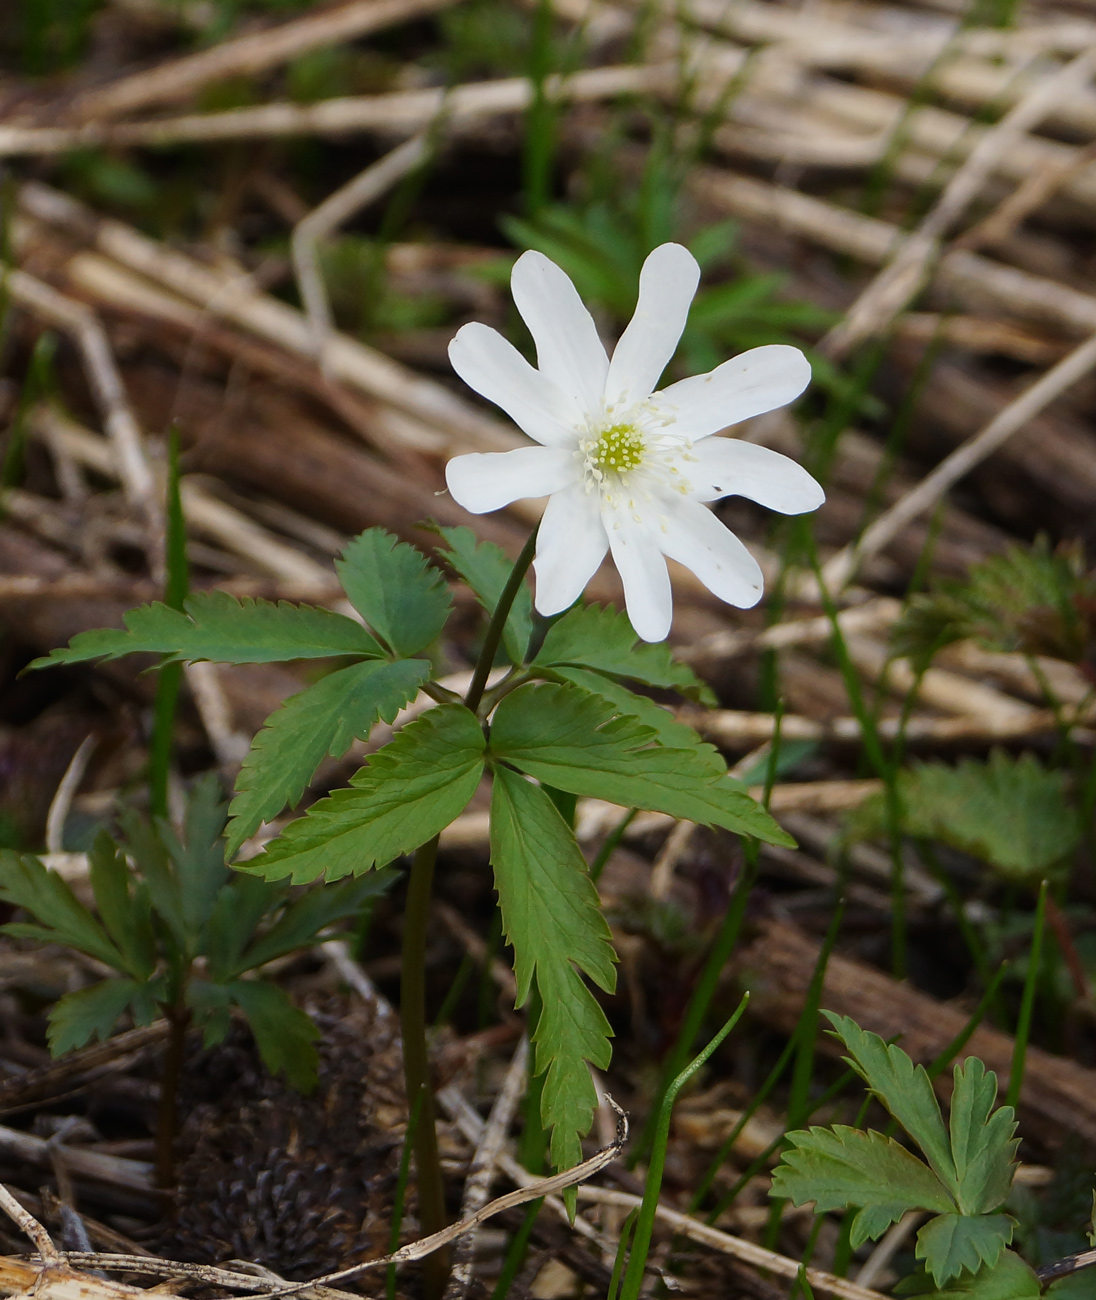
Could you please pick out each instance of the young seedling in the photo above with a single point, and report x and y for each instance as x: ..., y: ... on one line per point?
x: 185, y: 936
x: 963, y: 1180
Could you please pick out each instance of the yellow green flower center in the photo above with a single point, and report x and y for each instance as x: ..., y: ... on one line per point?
x: 618, y: 449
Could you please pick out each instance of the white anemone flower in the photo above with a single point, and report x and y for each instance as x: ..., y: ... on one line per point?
x: 627, y: 470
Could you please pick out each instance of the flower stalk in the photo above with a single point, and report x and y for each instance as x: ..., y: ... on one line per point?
x: 416, y: 1065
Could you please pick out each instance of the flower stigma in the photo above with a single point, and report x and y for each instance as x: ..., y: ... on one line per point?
x: 617, y: 450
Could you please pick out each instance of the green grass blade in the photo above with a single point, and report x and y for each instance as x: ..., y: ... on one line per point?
x: 633, y: 1278
x: 1027, y: 1002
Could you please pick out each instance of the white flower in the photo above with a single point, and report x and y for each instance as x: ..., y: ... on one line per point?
x: 625, y: 469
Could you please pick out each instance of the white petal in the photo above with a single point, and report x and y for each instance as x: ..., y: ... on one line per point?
x: 638, y: 558
x: 483, y: 481
x: 757, y: 381
x: 667, y: 284
x: 569, y: 351
x: 571, y: 545
x: 731, y: 467
x: 498, y: 371
x: 694, y: 537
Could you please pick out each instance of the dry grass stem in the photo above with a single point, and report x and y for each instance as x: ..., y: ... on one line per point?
x: 902, y: 278
x: 401, y: 113
x: 481, y: 1171
x: 247, y: 55
x: 358, y: 193
x: 121, y: 426
x: 840, y: 568
x: 737, y: 1247
x: 66, y: 792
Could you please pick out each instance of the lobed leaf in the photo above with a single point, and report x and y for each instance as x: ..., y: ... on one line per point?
x: 403, y: 598
x: 602, y: 638
x: 551, y: 915
x: 310, y: 913
x: 486, y: 567
x: 410, y: 790
x: 578, y: 742
x: 216, y: 626
x: 905, y: 1090
x: 234, y: 920
x: 953, y: 1243
x: 844, y: 1166
x: 284, y: 1034
x: 982, y: 1141
x: 1012, y: 813
x: 89, y: 1013
x: 198, y: 856
x: 323, y: 719
x: 61, y: 917
x: 1009, y: 1279
x: 126, y: 918
x: 668, y: 731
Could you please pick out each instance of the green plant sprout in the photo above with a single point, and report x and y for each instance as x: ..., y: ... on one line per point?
x: 184, y: 935
x: 963, y: 1180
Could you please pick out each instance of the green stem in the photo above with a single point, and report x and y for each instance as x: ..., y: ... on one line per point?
x: 416, y: 1069
x: 1027, y: 1002
x: 637, y: 1262
x: 498, y: 623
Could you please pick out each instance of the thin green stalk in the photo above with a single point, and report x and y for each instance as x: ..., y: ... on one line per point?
x: 493, y: 636
x: 400, y: 1196
x: 416, y: 1068
x: 176, y: 590
x: 1027, y: 1002
x: 612, y: 841
x: 759, y: 1098
x: 539, y: 146
x: 637, y: 1260
x: 622, y: 1253
x: 699, y: 1002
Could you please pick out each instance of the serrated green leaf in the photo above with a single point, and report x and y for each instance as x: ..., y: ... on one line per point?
x: 982, y: 1142
x: 198, y: 857
x: 61, y: 917
x: 905, y: 1090
x: 485, y: 567
x: 1012, y: 813
x: 410, y: 790
x: 551, y: 915
x: 843, y: 1166
x: 1030, y: 599
x: 312, y: 912
x: 90, y: 1013
x: 211, y: 1006
x: 233, y: 921
x: 143, y: 842
x: 403, y: 598
x: 951, y: 1243
x: 127, y: 919
x: 284, y: 1034
x: 1009, y: 1279
x: 323, y: 719
x: 578, y: 742
x: 602, y: 638
x: 220, y: 628
x: 667, y: 729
